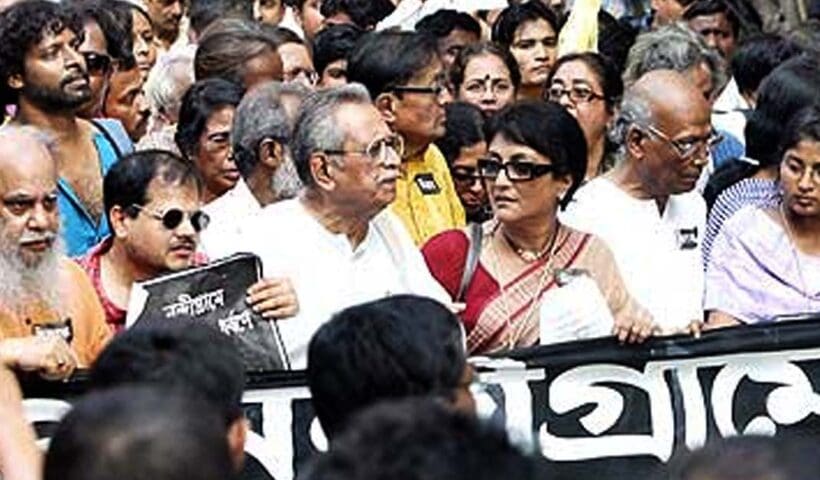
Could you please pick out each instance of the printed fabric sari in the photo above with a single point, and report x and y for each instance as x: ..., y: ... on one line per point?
x: 497, y: 318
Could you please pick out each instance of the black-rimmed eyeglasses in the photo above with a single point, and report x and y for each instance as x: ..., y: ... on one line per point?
x: 517, y: 169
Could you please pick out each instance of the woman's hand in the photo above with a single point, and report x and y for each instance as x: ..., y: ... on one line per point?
x: 273, y: 298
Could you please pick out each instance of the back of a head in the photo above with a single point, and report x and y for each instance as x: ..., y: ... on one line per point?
x: 191, y: 358
x: 226, y: 46
x: 443, y: 22
x: 789, y: 88
x: 386, y: 59
x: 419, y: 439
x: 756, y: 57
x: 139, y: 433
x: 203, y: 13
x: 332, y: 43
x: 671, y: 47
x: 748, y: 458
x: 387, y: 349
x: 363, y: 13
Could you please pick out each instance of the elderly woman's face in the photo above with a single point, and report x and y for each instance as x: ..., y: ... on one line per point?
x: 576, y: 87
x: 213, y: 154
x: 522, y: 199
x: 800, y: 177
x: 487, y: 84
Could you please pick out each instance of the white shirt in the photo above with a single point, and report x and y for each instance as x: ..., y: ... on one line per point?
x: 727, y: 111
x: 228, y: 214
x: 658, y: 255
x: 327, y: 273
x: 409, y: 12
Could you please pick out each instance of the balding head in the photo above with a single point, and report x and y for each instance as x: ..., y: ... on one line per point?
x: 664, y: 127
x: 29, y: 219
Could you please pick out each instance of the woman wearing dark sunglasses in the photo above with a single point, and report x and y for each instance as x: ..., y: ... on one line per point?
x: 535, y: 278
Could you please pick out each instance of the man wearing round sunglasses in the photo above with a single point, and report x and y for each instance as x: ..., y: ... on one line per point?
x: 645, y: 208
x: 152, y: 200
x: 406, y: 79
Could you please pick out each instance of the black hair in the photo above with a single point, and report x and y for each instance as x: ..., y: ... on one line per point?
x: 200, y: 101
x: 788, y: 89
x: 516, y: 15
x: 749, y: 457
x: 464, y: 128
x: 126, y: 183
x: 443, y: 22
x: 608, y: 76
x: 390, y: 348
x: 615, y: 38
x: 24, y: 25
x: 700, y: 8
x: 364, y: 13
x: 420, y: 439
x: 193, y: 358
x: 804, y: 125
x: 203, y: 13
x: 757, y: 56
x: 119, y: 41
x: 547, y: 128
x: 137, y: 433
x: 227, y: 46
x: 334, y: 43
x: 476, y: 50
x: 122, y: 12
x: 387, y: 59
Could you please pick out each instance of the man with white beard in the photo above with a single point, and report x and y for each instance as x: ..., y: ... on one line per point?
x: 50, y: 318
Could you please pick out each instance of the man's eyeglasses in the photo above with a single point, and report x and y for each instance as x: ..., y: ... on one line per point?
x: 299, y: 73
x: 173, y: 217
x: 378, y: 149
x: 576, y: 94
x: 517, y: 169
x: 436, y: 88
x: 97, y: 64
x: 688, y: 147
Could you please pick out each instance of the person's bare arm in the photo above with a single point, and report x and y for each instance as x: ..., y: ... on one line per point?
x: 718, y: 319
x: 20, y: 459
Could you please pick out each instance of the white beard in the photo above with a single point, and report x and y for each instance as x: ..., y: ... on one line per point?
x: 22, y: 285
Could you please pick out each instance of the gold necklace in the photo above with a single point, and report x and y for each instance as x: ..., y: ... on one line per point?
x: 517, y: 331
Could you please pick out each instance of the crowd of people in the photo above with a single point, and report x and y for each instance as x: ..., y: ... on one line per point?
x: 420, y: 186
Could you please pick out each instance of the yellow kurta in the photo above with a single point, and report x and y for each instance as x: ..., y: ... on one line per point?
x: 426, y: 200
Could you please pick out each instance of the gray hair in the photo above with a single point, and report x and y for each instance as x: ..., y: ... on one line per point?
x: 260, y: 115
x: 47, y: 140
x: 635, y: 109
x: 317, y: 128
x: 168, y: 81
x: 672, y: 47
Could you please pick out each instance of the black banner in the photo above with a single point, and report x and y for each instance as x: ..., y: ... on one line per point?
x: 594, y: 408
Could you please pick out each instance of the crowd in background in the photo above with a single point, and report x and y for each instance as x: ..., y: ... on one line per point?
x: 422, y: 182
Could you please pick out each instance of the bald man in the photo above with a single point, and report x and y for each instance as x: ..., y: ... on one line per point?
x: 50, y: 318
x: 645, y: 208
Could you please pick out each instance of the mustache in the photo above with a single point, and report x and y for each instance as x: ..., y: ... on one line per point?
x: 37, y: 237
x: 77, y: 76
x: 184, y: 243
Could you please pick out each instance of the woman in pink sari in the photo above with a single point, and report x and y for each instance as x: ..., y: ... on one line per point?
x: 535, y: 280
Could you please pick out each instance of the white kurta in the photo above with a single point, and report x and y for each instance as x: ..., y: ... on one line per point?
x: 328, y: 274
x: 658, y: 255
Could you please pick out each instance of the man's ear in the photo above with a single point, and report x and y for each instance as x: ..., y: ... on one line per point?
x: 15, y: 81
x: 237, y: 434
x: 319, y: 164
x: 118, y: 219
x: 634, y: 142
x: 387, y: 105
x: 270, y: 153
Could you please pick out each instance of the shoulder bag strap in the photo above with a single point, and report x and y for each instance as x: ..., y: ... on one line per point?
x: 473, y: 252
